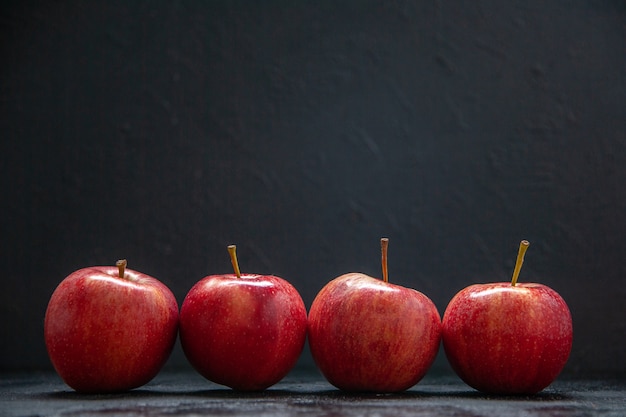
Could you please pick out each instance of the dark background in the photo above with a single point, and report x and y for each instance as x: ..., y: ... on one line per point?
x: 303, y: 132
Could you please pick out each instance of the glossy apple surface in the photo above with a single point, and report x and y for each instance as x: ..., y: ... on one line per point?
x: 507, y: 340
x: 507, y: 337
x: 366, y: 334
x: 108, y: 333
x: 244, y: 332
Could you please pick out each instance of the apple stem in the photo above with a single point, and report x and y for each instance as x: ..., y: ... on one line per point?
x: 121, y: 266
x: 523, y: 247
x: 232, y: 250
x: 384, y: 243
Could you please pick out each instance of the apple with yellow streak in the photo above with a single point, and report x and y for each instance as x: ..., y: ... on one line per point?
x: 367, y: 334
x: 245, y: 331
x: 110, y: 328
x: 508, y: 337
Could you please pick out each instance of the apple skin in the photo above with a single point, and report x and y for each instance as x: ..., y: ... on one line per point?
x: 246, y: 333
x: 367, y: 335
x: 104, y: 333
x: 504, y: 339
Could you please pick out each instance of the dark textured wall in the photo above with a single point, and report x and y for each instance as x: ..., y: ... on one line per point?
x: 305, y: 131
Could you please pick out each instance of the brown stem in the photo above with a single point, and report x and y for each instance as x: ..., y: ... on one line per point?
x: 523, y: 247
x: 232, y: 251
x: 384, y: 243
x: 121, y: 267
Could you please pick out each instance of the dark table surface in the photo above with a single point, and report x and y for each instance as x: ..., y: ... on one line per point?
x: 302, y: 394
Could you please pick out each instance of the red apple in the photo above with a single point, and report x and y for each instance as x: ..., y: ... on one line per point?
x: 245, y: 331
x: 507, y: 338
x: 108, y: 328
x: 369, y: 335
